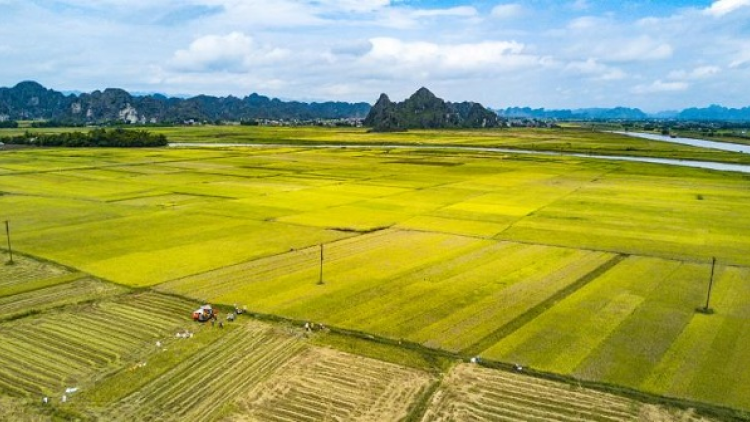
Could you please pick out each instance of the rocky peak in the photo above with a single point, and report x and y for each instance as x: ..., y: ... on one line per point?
x: 383, y: 101
x: 423, y: 100
x: 380, y: 112
x: 423, y: 94
x: 423, y: 110
x: 30, y: 87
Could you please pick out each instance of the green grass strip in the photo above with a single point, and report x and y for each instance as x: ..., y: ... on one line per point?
x: 411, y: 358
x: 422, y: 404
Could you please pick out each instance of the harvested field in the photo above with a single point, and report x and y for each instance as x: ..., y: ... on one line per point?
x: 323, y: 384
x: 200, y: 386
x: 473, y: 393
x: 26, y: 270
x: 18, y: 410
x: 80, y: 289
x: 76, y: 346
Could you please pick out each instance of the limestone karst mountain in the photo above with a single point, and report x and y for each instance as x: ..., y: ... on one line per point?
x: 29, y: 100
x: 423, y: 110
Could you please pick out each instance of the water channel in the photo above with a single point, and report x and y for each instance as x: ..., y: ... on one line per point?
x: 724, y: 146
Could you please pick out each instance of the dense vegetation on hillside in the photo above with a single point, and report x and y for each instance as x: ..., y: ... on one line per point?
x: 30, y: 100
x: 423, y: 110
x: 118, y: 138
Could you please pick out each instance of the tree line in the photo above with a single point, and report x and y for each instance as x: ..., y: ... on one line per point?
x: 102, y: 138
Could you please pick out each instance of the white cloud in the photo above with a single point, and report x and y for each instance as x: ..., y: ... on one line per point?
x: 613, y: 74
x: 634, y: 49
x: 426, y: 58
x: 297, y: 14
x: 507, y: 11
x: 105, y: 4
x: 269, y: 14
x: 234, y: 53
x: 217, y: 84
x: 354, y: 49
x: 395, y: 19
x: 660, y: 86
x: 704, y: 72
x: 351, y: 47
x: 586, y: 22
x: 608, y: 39
x: 720, y: 8
x: 701, y: 72
x: 461, y: 11
x: 409, y: 18
x: 359, y: 6
x: 338, y: 90
x: 595, y: 70
x: 741, y: 59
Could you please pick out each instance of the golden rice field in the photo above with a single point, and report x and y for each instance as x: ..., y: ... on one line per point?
x: 586, y: 269
x: 445, y: 291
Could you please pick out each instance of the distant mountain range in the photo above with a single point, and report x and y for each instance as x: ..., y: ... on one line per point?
x: 423, y: 110
x: 30, y: 100
x: 711, y: 113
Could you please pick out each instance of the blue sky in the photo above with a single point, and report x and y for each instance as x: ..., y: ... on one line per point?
x: 655, y: 55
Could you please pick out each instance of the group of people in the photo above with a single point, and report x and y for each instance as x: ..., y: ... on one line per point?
x: 231, y: 317
x: 311, y: 326
x: 63, y: 399
x: 183, y: 334
x: 237, y: 311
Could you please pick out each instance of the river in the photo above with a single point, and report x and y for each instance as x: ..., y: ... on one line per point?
x: 711, y: 165
x: 724, y: 146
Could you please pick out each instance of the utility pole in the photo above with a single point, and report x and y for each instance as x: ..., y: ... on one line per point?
x: 320, y: 279
x: 7, y: 234
x: 706, y: 309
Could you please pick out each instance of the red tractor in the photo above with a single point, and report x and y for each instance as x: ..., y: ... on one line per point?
x: 204, y: 313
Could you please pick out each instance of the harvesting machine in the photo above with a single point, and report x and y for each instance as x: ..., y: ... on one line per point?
x: 204, y: 313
